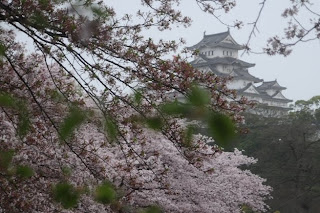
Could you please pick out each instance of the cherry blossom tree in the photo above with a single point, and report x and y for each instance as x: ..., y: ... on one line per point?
x: 88, y: 123
x: 142, y: 168
x: 297, y: 30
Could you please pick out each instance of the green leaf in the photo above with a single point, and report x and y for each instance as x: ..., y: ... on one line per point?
x: 23, y: 124
x: 2, y: 49
x: 24, y: 171
x: 24, y: 120
x: 66, y: 171
x: 44, y: 3
x: 188, y: 134
x: 175, y: 108
x: 105, y: 193
x: 152, y: 209
x: 99, y: 12
x: 111, y: 129
x: 246, y: 209
x: 39, y: 20
x: 57, y: 96
x: 221, y: 128
x: 6, y: 100
x: 66, y: 195
x: 198, y: 96
x: 5, y: 159
x: 137, y: 97
x: 73, y: 120
x: 155, y: 123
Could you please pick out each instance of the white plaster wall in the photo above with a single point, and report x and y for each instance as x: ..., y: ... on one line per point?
x: 219, y: 68
x: 274, y: 103
x: 218, y: 52
x: 271, y: 91
x: 237, y: 84
x: 251, y: 98
x: 208, y: 52
x: 280, y: 96
x: 252, y: 90
x: 227, y: 69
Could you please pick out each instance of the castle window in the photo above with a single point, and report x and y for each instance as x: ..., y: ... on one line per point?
x: 223, y: 52
x: 211, y: 52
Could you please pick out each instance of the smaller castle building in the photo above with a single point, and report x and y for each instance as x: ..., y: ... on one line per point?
x: 218, y: 53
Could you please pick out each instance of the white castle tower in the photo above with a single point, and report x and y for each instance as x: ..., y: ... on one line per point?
x: 218, y: 53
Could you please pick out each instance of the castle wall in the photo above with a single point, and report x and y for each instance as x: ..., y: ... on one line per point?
x: 271, y: 91
x: 226, y: 69
x: 219, y: 52
x: 237, y: 84
x: 274, y: 103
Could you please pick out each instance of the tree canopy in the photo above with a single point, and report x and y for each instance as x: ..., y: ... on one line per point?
x: 287, y: 149
x: 88, y: 122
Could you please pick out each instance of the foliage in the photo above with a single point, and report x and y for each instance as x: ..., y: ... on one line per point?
x: 24, y: 171
x: 105, y: 193
x: 287, y: 149
x: 74, y: 119
x: 5, y: 159
x: 65, y: 194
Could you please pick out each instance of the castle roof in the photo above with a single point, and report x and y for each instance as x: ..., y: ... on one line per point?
x: 255, y: 92
x: 217, y: 40
x: 221, y: 60
x: 244, y: 74
x: 241, y: 74
x: 279, y: 96
x: 270, y: 85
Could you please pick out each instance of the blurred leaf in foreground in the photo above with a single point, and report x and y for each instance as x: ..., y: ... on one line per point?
x: 24, y: 171
x: 5, y: 159
x: 155, y: 123
x: 137, y: 97
x: 111, y: 129
x: 105, y: 193
x: 73, y: 120
x: 188, y: 135
x: 152, y: 209
x: 24, y: 123
x: 6, y: 100
x: 198, y: 96
x: 221, y: 128
x: 66, y: 194
x: 175, y: 108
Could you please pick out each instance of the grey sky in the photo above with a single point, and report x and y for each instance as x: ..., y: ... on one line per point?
x: 299, y: 72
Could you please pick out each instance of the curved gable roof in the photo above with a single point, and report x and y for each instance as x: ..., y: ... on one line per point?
x: 244, y: 74
x: 216, y: 40
x: 270, y: 85
x: 221, y: 60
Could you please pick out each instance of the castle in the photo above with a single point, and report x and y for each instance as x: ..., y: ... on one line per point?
x: 218, y: 53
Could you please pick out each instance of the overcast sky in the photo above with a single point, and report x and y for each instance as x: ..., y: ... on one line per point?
x: 299, y: 72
